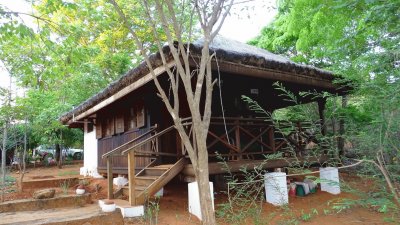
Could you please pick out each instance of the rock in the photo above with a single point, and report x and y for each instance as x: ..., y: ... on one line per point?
x: 45, y: 193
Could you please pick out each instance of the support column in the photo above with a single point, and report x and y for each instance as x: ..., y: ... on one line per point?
x: 110, y: 193
x: 131, y: 177
x: 271, y: 138
x: 237, y: 138
x: 342, y: 128
x: 321, y: 109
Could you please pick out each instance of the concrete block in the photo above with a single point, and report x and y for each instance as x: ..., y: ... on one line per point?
x: 133, y: 211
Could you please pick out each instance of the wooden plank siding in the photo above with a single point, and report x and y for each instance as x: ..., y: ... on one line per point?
x: 120, y: 163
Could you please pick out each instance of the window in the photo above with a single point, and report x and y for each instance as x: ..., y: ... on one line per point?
x: 99, y: 131
x: 119, y: 123
x: 89, y: 127
x: 109, y: 129
x: 140, y: 115
x: 136, y: 117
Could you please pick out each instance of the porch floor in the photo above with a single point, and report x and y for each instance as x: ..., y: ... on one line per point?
x: 237, y: 165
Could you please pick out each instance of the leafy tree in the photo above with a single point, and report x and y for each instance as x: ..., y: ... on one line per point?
x: 358, y: 39
x: 71, y: 51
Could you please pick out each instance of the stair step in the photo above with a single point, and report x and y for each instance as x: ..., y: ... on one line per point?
x: 147, y: 177
x: 140, y: 188
x: 154, y: 171
x: 145, y: 180
x: 125, y: 191
x: 165, y: 166
x: 137, y: 188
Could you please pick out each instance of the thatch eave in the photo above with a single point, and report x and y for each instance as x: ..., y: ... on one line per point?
x: 239, y: 56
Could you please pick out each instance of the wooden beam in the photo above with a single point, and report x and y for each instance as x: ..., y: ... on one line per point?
x: 237, y: 135
x: 135, y: 85
x: 232, y: 147
x: 220, y: 137
x: 110, y: 193
x: 342, y: 128
x: 322, y: 81
x: 321, y: 109
x: 255, y: 138
x: 131, y: 177
x: 237, y: 166
x: 272, y: 139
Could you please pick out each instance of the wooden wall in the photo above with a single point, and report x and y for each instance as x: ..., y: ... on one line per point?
x: 121, y: 162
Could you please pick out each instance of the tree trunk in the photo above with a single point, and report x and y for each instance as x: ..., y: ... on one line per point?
x: 22, y: 170
x: 389, y: 182
x: 3, y: 160
x: 58, y: 156
x: 202, y: 175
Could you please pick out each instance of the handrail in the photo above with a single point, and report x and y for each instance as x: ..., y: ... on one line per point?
x: 148, y: 139
x: 129, y: 142
x: 148, y: 165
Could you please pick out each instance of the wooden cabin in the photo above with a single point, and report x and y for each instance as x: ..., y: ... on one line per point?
x: 127, y: 125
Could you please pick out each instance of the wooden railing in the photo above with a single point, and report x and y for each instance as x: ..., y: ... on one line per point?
x: 118, y: 149
x: 238, y: 138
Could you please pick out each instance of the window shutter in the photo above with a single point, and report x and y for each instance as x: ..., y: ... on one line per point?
x: 119, y: 123
x: 112, y: 126
x: 140, y: 115
x: 99, y: 133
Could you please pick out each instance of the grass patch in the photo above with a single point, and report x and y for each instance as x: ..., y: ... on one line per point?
x: 67, y: 173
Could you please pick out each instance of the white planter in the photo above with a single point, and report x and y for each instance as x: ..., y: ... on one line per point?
x: 276, y: 188
x: 330, y: 180
x: 108, y: 208
x: 80, y: 191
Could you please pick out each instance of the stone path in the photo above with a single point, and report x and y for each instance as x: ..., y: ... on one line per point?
x: 89, y: 214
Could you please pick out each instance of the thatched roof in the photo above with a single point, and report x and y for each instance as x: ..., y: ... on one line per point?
x: 241, y: 53
x: 226, y: 50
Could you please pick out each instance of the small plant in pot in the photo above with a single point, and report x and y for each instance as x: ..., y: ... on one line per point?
x: 81, y: 187
x: 108, y: 206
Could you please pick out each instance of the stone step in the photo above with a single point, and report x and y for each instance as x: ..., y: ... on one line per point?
x: 88, y: 214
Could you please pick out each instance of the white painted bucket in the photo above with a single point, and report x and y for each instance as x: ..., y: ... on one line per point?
x: 276, y: 188
x: 108, y: 208
x: 80, y: 191
x: 330, y: 180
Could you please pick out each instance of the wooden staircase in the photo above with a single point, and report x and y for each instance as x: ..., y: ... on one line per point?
x: 151, y: 179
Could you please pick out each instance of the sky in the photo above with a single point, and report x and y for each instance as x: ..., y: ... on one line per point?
x: 245, y: 21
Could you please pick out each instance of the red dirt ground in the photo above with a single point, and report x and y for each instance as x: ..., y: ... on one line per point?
x: 173, y: 205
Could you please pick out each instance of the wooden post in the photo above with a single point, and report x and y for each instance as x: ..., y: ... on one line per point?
x: 131, y: 177
x: 321, y: 109
x: 271, y: 138
x: 237, y: 138
x: 110, y: 178
x: 341, y: 128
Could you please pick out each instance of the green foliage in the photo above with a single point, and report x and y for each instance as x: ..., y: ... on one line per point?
x: 68, y: 173
x: 359, y: 40
x: 73, y: 50
x: 152, y: 210
x: 65, y: 186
